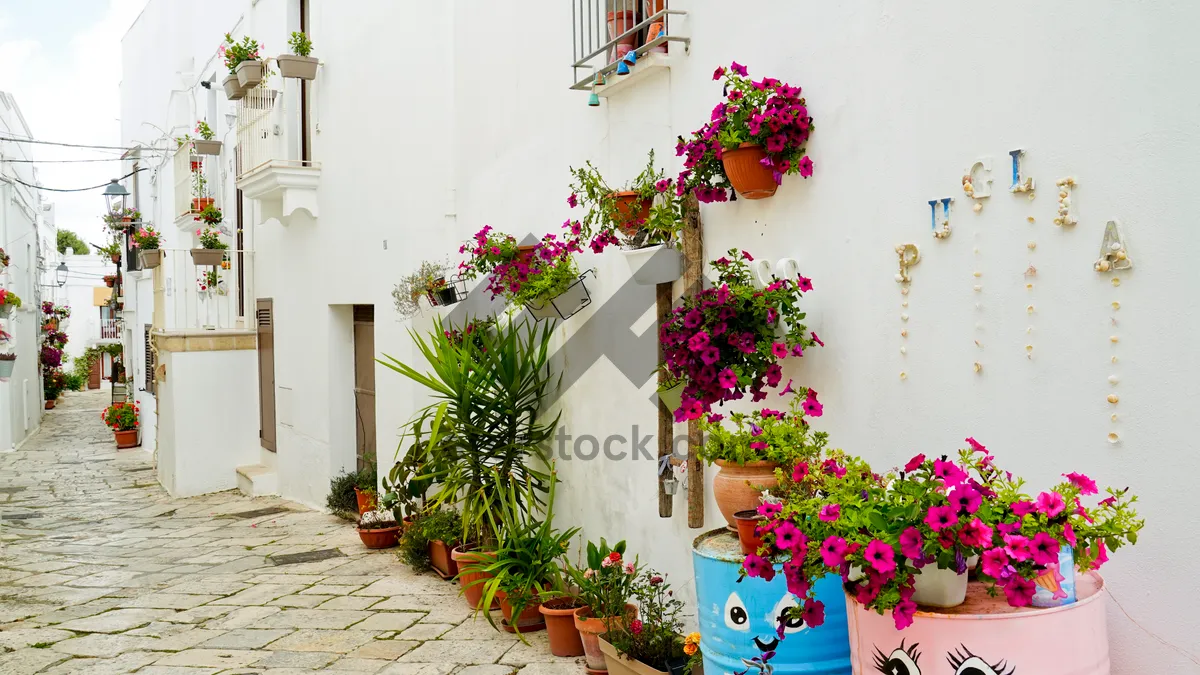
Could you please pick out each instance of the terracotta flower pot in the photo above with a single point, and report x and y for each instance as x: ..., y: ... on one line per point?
x: 591, y: 628
x: 738, y: 488
x: 530, y: 619
x: 301, y: 67
x: 50, y: 405
x: 526, y: 252
x: 747, y: 522
x: 109, y: 281
x: 632, y: 210
x: 199, y: 203
x: 366, y: 500
x: 472, y: 590
x: 439, y: 557
x: 560, y: 627
x: 618, y: 23
x: 751, y: 179
x: 126, y: 438
x: 116, y: 258
x: 382, y: 538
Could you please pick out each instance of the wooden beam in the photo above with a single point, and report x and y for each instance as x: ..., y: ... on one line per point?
x: 666, y: 417
x: 693, y: 282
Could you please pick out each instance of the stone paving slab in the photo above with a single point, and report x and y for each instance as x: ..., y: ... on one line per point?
x: 115, y: 576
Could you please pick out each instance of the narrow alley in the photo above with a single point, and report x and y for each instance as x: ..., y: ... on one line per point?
x: 102, y: 572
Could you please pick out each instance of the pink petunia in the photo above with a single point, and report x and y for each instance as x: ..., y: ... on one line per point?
x: 805, y: 284
x: 940, y: 517
x: 914, y: 463
x: 830, y: 513
x: 719, y: 73
x: 948, y: 472
x: 1019, y: 591
x: 832, y: 468
x: 817, y: 339
x: 881, y: 556
x: 1050, y: 504
x: 573, y: 200
x: 758, y: 445
x: 770, y: 509
x: 811, y: 406
x: 1017, y: 547
x: 976, y: 445
x: 779, y: 350
x: 965, y: 499
x: 1044, y: 549
x: 813, y: 613
x: 1022, y: 508
x: 993, y: 562
x: 787, y: 537
x: 833, y: 551
x: 1101, y: 557
x: 806, y: 166
x: 727, y: 378
x: 800, y: 472
x: 975, y: 534
x: 1086, y: 485
x: 739, y: 69
x: 904, y: 611
x: 1069, y: 535
x: 912, y: 544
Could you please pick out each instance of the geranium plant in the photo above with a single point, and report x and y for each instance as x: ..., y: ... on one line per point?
x: 654, y: 637
x: 121, y: 416
x: 606, y: 581
x: 211, y: 239
x: 766, y: 112
x: 521, y: 277
x: 145, y: 238
x: 644, y: 212
x: 9, y: 299
x: 233, y: 53
x: 779, y: 437
x: 726, y: 341
x: 209, y: 215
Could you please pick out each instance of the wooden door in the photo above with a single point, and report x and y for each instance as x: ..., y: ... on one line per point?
x: 364, y: 384
x: 265, y: 320
x: 94, y: 374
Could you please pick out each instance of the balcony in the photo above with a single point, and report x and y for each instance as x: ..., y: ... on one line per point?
x: 190, y: 180
x: 269, y: 168
x: 191, y: 298
x: 110, y: 331
x: 603, y: 33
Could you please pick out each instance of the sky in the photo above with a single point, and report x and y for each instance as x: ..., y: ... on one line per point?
x: 61, y: 60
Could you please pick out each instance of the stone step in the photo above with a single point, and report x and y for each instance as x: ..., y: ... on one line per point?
x: 256, y: 480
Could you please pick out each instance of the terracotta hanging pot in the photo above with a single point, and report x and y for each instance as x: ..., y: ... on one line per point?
x: 560, y: 627
x: 747, y: 524
x: 748, y: 176
x: 126, y: 438
x: 526, y: 252
x: 530, y: 619
x: 109, y: 280
x: 739, y: 487
x: 470, y: 581
x: 632, y: 210
x: 591, y: 628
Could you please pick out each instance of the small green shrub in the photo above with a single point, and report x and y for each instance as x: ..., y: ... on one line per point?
x: 341, y: 500
x: 414, y: 546
x: 74, y: 381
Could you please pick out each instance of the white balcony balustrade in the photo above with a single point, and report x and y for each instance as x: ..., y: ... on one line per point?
x: 270, y: 167
x: 110, y: 329
x: 605, y: 32
x: 189, y: 297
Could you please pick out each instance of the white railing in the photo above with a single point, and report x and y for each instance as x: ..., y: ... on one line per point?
x: 202, y: 297
x: 110, y: 330
x: 182, y: 169
x: 604, y: 31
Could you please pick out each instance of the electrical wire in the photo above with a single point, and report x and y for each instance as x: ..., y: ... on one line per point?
x: 94, y: 187
x: 61, y: 161
x: 18, y: 139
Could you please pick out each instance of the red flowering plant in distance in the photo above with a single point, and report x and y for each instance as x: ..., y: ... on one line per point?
x: 728, y: 340
x: 121, y: 416
x: 766, y: 113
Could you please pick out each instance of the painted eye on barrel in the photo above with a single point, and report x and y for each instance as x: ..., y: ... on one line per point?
x: 970, y: 664
x: 736, y: 617
x: 902, y: 661
x: 779, y: 615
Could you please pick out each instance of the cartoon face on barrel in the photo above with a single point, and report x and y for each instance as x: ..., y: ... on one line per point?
x: 910, y: 660
x: 761, y: 629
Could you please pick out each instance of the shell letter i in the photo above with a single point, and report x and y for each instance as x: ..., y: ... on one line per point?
x: 941, y: 230
x: 1017, y: 185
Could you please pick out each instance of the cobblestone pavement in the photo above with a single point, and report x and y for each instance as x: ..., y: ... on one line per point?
x: 102, y: 572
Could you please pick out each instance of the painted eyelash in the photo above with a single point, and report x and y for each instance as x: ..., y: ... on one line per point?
x: 881, y: 659
x: 956, y: 659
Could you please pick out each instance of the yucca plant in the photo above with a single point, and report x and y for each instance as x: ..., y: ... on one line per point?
x: 485, y: 421
x: 528, y: 562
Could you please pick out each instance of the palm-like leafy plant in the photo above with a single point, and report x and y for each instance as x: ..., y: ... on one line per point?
x: 485, y: 424
x: 528, y: 562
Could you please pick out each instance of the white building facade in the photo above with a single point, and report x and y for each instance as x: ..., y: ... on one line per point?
x: 427, y: 121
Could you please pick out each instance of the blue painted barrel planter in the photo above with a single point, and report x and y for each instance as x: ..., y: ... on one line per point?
x: 738, y: 620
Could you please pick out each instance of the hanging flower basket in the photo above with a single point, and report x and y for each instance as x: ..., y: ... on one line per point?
x: 299, y: 67
x: 564, y: 305
x: 204, y: 147
x: 201, y: 203
x: 210, y: 257
x: 654, y: 265
x: 250, y: 72
x: 746, y: 173
x: 7, y: 363
x: 110, y: 280
x: 233, y: 88
x: 150, y: 258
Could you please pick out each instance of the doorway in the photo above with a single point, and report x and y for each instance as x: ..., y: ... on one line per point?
x: 364, y: 385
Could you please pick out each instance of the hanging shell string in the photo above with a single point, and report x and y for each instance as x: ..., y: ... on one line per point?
x: 908, y: 255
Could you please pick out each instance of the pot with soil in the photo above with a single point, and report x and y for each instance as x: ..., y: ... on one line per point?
x: 299, y: 67
x: 738, y: 487
x: 747, y: 529
x: 249, y: 73
x: 151, y: 258
x: 472, y: 582
x: 126, y: 439
x: 564, y: 637
x: 632, y: 210
x: 233, y: 89
x: 50, y: 405
x: 621, y: 665
x: 377, y: 529
x: 591, y: 628
x: 439, y: 558
x: 204, y: 147
x: 746, y: 174
x: 530, y: 619
x: 110, y: 279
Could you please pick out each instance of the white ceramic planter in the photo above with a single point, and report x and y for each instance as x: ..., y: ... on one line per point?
x: 249, y: 73
x: 654, y: 264
x: 300, y: 67
x: 935, y: 587
x: 6, y: 368
x: 233, y: 89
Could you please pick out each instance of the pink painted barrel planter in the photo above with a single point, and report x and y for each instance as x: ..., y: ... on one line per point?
x: 987, y: 634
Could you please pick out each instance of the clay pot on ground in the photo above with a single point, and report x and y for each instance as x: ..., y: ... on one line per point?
x: 564, y: 637
x: 151, y: 258
x: 210, y: 257
x: 591, y: 628
x: 751, y: 179
x: 50, y: 405
x: 631, y: 208
x: 385, y: 537
x: 530, y: 619
x: 249, y: 72
x: 471, y: 582
x: 126, y: 439
x: 739, y: 487
x: 366, y: 500
x: 439, y: 557
x: 747, y: 522
x: 300, y: 67
x: 233, y: 89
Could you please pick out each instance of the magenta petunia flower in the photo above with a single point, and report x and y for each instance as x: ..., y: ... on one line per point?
x: 1017, y: 547
x: 779, y: 350
x: 833, y: 551
x: 758, y: 445
x: 800, y: 472
x: 770, y: 509
x: 698, y: 341
x: 813, y: 613
x: 903, y: 613
x: 1069, y: 535
x: 806, y: 166
x: 965, y: 499
x: 912, y: 544
x: 739, y: 69
x: 993, y: 562
x: 1022, y: 508
x: 976, y: 445
x: 817, y: 339
x: 573, y: 200
x: 710, y: 355
x: 727, y: 379
x: 1101, y: 557
x: 805, y: 284
x: 832, y: 468
x: 811, y: 406
x: 663, y: 185
x: 881, y: 556
x: 757, y: 566
x: 787, y: 389
x: 693, y: 319
x: 914, y: 463
x: 719, y: 73
x: 746, y: 256
x: 975, y: 534
x: 797, y: 349
x: 948, y: 472
x: 755, y: 430
x: 787, y: 536
x: 830, y: 512
x: 1086, y: 485
x: 715, y: 417
x: 1019, y: 591
x: 1050, y: 504
x: 1044, y: 549
x: 941, y: 517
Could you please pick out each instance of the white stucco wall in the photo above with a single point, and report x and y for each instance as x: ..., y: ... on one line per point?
x: 437, y: 119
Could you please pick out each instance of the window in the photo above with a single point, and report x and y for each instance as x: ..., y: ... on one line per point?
x: 146, y: 341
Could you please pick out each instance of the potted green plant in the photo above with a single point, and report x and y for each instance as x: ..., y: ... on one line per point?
x: 200, y: 199
x: 342, y: 500
x: 378, y: 529
x: 8, y: 302
x: 605, y: 586
x: 756, y: 136
x: 119, y: 220
x: 749, y: 451
x: 122, y: 418
x: 53, y: 383
x: 543, y: 278
x: 245, y: 67
x: 212, y: 249
x: 299, y: 63
x: 146, y: 241
x: 650, y: 644
x: 442, y: 529
x: 526, y: 564
x: 207, y: 143
x: 645, y: 216
x: 429, y: 281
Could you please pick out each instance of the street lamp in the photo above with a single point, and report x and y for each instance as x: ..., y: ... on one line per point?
x: 113, y: 191
x: 60, y: 274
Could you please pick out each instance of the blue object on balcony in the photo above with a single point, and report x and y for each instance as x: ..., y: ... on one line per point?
x: 593, y: 100
x: 631, y: 57
x: 622, y: 68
